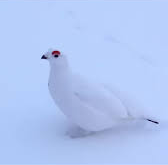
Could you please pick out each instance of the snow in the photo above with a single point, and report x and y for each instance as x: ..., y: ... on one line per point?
x: 122, y: 43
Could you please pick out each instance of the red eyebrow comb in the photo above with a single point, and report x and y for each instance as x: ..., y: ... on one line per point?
x: 56, y: 52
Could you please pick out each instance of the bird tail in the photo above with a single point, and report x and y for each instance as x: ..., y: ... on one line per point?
x: 153, y: 121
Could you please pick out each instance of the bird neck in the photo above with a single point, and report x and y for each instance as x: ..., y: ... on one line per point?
x: 59, y: 74
x: 60, y: 84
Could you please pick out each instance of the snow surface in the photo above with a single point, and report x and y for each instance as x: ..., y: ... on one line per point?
x: 122, y: 43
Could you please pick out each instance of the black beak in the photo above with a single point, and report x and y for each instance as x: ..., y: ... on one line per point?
x: 43, y: 57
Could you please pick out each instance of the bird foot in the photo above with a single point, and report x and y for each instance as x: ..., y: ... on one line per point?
x: 78, y: 132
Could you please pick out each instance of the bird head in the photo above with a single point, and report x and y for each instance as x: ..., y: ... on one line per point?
x: 55, y: 58
x: 51, y: 54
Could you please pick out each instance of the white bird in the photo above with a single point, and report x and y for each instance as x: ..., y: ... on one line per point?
x: 91, y: 107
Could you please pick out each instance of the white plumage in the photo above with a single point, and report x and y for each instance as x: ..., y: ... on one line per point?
x: 90, y: 106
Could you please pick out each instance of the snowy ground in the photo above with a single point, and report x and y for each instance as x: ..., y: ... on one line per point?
x: 123, y: 43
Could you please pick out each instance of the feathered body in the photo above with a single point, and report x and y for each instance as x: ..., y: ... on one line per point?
x: 92, y: 107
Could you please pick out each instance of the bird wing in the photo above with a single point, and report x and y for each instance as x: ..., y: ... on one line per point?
x: 98, y: 97
x: 134, y: 108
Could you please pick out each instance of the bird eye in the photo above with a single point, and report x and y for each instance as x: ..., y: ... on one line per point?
x: 56, y: 53
x: 56, y: 56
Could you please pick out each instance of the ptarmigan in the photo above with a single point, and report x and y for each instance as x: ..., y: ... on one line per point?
x: 90, y: 106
